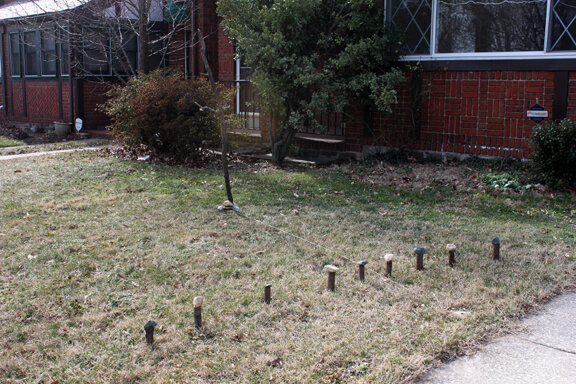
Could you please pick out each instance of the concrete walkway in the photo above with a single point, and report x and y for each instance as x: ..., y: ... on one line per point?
x: 545, y: 354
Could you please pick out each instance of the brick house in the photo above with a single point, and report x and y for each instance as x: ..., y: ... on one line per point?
x: 59, y: 57
x: 480, y: 66
x: 476, y: 72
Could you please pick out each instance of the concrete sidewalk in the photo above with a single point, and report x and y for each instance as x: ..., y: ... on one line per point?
x: 546, y: 354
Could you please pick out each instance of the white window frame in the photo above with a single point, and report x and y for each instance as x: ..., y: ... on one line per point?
x: 517, y: 55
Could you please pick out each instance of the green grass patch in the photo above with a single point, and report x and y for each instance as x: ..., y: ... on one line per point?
x: 4, y: 142
x: 92, y: 248
x: 24, y: 148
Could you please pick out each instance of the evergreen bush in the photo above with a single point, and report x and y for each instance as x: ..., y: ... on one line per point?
x: 554, y: 152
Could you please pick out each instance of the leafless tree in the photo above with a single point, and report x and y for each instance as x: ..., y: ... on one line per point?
x: 107, y: 38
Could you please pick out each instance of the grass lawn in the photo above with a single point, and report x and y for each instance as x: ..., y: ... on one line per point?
x: 91, y: 248
x: 4, y: 142
x: 23, y: 148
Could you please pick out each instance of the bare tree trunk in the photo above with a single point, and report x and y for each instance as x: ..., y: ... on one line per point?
x: 143, y: 38
x: 221, y: 120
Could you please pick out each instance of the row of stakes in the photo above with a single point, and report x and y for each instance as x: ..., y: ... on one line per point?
x: 331, y: 269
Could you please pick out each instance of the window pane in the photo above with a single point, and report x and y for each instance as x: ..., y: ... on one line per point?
x: 96, y: 52
x: 491, y: 26
x: 64, y: 68
x: 414, y: 18
x: 15, y: 58
x: 30, y: 54
x: 48, y: 53
x: 126, y: 54
x: 157, y: 50
x: 563, y: 26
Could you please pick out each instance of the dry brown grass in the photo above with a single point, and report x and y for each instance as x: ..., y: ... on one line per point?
x: 93, y: 247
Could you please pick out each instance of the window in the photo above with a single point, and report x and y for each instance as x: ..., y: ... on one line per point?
x: 107, y: 55
x: 30, y: 54
x: 64, y: 68
x: 503, y: 26
x: 157, y: 50
x: 48, y: 53
x: 15, y: 57
x: 33, y: 53
x: 125, y: 58
x: 415, y: 18
x: 563, y: 26
x: 472, y: 27
x: 96, y: 52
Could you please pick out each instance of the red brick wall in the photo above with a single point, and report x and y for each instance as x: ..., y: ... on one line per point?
x: 482, y: 113
x: 33, y: 100
x: 226, y: 68
x: 572, y: 96
x: 94, y: 94
x: 42, y: 100
x: 177, y: 52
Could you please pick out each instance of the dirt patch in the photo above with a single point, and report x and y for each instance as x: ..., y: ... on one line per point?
x: 408, y: 174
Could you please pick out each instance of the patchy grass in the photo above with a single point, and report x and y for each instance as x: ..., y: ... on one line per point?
x: 53, y: 146
x: 4, y: 142
x: 93, y: 247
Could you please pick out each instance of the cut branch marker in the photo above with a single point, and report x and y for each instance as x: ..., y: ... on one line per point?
x: 268, y: 293
x: 451, y: 248
x: 361, y: 269
x: 420, y: 252
x: 149, y: 329
x: 198, y: 301
x: 496, y: 248
x: 331, y: 269
x: 388, y: 258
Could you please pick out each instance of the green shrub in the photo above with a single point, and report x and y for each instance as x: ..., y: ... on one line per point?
x: 554, y: 152
x: 163, y: 111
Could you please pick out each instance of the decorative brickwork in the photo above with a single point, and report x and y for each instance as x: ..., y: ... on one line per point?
x: 480, y: 113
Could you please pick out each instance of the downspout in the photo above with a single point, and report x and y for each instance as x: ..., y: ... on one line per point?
x: 3, y: 69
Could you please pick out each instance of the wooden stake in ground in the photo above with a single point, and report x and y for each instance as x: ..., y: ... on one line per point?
x: 149, y: 329
x: 198, y: 301
x: 420, y: 252
x: 331, y: 269
x: 361, y: 269
x: 388, y: 258
x: 496, y: 248
x: 220, y: 113
x: 451, y: 248
x: 268, y: 293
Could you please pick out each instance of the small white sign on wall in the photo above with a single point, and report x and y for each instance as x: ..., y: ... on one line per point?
x: 78, y: 124
x: 537, y: 113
